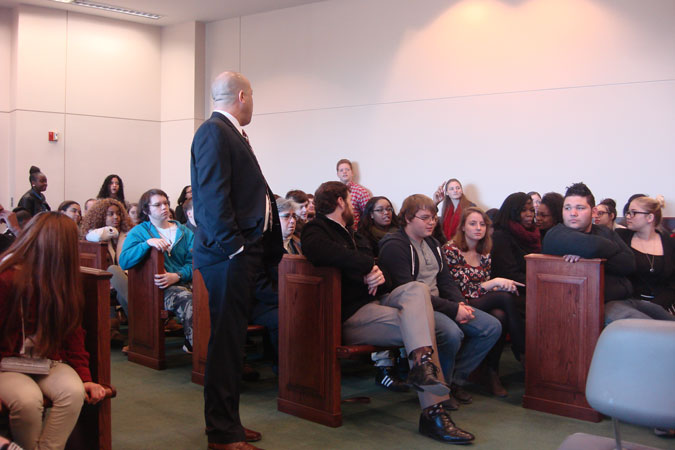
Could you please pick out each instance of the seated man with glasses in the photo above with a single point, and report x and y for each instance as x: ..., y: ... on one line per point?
x: 413, y: 254
x: 173, y: 238
x: 578, y: 238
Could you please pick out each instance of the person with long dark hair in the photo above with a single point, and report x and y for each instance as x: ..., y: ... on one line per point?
x: 41, y: 321
x: 451, y: 193
x: 378, y: 219
x: 185, y: 195
x: 549, y: 212
x: 34, y: 200
x: 468, y: 256
x: 515, y: 236
x: 112, y: 187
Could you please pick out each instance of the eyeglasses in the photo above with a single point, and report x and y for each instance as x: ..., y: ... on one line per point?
x: 427, y: 219
x: 288, y: 216
x: 631, y: 214
x: 601, y: 213
x: 159, y: 204
x: 381, y: 210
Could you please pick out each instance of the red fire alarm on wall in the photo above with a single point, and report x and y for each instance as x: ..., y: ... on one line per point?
x: 53, y: 136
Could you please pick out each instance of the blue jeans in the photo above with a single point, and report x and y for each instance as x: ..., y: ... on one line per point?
x: 459, y: 359
x: 634, y: 309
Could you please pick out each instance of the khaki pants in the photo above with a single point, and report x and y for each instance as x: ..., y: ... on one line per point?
x: 402, y: 317
x: 23, y: 396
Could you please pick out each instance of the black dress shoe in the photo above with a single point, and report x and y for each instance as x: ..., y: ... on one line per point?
x: 460, y: 394
x: 424, y: 377
x: 387, y: 377
x: 440, y: 426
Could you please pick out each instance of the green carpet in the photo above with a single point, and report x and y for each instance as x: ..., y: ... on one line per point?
x: 164, y: 410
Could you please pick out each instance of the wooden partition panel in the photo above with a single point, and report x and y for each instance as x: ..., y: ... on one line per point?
x: 146, y: 305
x: 309, y: 334
x: 565, y: 315
x: 201, y: 326
x: 93, y: 429
x: 94, y: 255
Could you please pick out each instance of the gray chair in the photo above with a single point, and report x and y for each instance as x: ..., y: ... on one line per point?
x: 632, y: 378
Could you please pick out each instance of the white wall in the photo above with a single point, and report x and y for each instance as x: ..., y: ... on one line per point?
x: 5, y: 80
x: 506, y: 96
x: 182, y: 104
x: 94, y: 80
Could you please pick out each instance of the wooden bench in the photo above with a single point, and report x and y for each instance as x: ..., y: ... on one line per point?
x: 94, y: 427
x: 310, y: 341
x: 201, y: 327
x: 94, y: 255
x: 147, y: 313
x: 565, y: 315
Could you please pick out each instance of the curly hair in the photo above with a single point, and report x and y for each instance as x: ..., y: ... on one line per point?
x: 95, y: 217
x: 104, y: 192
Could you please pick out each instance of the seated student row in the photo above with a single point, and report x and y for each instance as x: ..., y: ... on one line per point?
x: 518, y: 209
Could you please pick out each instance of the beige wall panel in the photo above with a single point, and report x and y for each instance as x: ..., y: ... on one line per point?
x: 355, y: 52
x: 5, y: 169
x: 175, y: 168
x: 113, y: 68
x: 6, y: 39
x: 32, y: 148
x: 99, y: 146
x: 40, y: 59
x: 617, y: 139
x: 178, y: 71
x: 222, y: 53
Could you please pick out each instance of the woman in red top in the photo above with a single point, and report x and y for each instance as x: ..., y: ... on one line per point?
x: 41, y: 307
x: 468, y: 257
x: 454, y: 201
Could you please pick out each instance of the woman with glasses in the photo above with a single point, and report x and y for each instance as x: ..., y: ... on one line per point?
x: 515, y: 236
x: 468, y: 257
x: 549, y: 212
x: 378, y: 219
x: 654, y: 277
x: 604, y: 213
x: 451, y: 193
x: 289, y: 220
x: 175, y: 240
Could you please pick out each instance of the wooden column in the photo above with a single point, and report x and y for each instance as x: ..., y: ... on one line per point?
x: 565, y: 315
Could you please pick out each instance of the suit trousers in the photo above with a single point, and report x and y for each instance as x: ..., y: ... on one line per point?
x: 403, y: 317
x: 231, y: 288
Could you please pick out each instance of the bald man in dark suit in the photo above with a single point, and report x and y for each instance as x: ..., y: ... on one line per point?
x: 238, y: 233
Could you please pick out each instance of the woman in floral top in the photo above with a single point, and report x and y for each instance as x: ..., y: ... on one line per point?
x: 468, y: 257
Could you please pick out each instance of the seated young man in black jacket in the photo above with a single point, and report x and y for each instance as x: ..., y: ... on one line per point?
x: 372, y: 315
x: 577, y: 238
x: 413, y: 254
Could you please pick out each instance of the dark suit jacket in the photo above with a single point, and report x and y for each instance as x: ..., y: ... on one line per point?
x: 228, y: 191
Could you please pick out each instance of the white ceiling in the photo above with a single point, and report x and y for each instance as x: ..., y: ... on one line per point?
x: 172, y: 11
